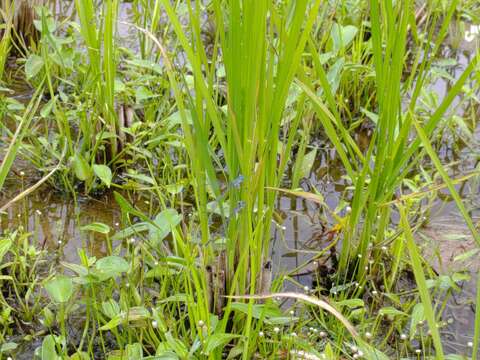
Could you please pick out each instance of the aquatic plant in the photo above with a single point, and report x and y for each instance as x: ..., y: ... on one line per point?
x: 216, y: 114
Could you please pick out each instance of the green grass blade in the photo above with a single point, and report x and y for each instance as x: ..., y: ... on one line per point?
x: 421, y: 284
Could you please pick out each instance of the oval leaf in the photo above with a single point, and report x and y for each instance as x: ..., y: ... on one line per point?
x: 60, y: 288
x: 104, y: 173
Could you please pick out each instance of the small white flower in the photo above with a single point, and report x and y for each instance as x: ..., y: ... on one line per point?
x: 201, y: 323
x: 470, y: 34
x: 470, y: 344
x: 292, y: 312
x: 22, y: 173
x: 374, y: 292
x: 355, y: 356
x: 306, y: 289
x: 359, y: 256
x: 276, y: 330
x: 132, y: 241
x: 38, y: 212
x: 59, y: 242
x: 323, y: 334
x: 154, y: 324
x: 283, y: 228
x: 368, y: 335
x: 418, y: 351
x: 403, y: 336
x: 384, y: 248
x: 354, y: 348
x: 348, y: 209
x: 293, y: 334
x: 261, y: 334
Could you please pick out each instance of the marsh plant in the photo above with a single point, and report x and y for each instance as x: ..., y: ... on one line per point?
x: 197, y: 125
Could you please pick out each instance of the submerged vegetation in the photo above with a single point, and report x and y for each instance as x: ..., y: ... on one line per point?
x: 199, y: 118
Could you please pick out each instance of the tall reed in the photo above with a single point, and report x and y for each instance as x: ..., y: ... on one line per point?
x: 261, y: 46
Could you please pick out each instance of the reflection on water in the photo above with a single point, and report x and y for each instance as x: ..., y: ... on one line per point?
x: 55, y: 221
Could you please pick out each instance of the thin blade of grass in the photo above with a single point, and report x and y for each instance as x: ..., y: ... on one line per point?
x: 421, y: 283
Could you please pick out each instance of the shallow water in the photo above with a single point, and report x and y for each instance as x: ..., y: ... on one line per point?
x: 55, y: 220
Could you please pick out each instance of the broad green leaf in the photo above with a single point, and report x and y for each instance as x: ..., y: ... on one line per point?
x: 258, y: 310
x: 307, y: 163
x: 96, y: 227
x: 142, y: 94
x: 80, y: 355
x: 81, y: 168
x: 176, y: 345
x: 351, y: 303
x: 391, y: 311
x: 218, y: 340
x: 112, y: 266
x: 165, y: 221
x: 418, y: 314
x: 33, y: 66
x: 60, y: 288
x: 47, y: 108
x: 48, y: 349
x: 370, y: 352
x: 135, y: 229
x: 8, y: 346
x: 462, y: 257
x: 113, y: 323
x: 104, y: 173
x: 110, y: 308
x: 342, y: 36
x: 5, y: 245
x: 134, y: 351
